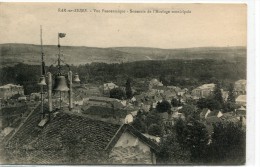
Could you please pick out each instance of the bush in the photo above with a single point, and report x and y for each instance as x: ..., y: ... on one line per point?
x: 117, y: 93
x: 163, y: 106
x: 155, y: 130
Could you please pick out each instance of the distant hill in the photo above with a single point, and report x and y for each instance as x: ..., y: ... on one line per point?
x: 11, y: 54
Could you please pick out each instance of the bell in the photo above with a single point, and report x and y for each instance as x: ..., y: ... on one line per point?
x: 42, y: 81
x: 60, y: 84
x: 76, y: 78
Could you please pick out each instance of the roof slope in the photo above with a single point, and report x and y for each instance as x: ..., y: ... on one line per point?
x: 67, y: 138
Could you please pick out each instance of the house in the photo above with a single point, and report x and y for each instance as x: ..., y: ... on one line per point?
x: 158, y: 89
x: 95, y: 100
x: 241, y: 100
x: 241, y: 111
x: 174, y: 88
x: 70, y: 138
x: 167, y: 119
x: 169, y: 94
x: 9, y: 90
x: 78, y: 101
x: 22, y: 98
x: 210, y: 116
x: 145, y: 107
x: 203, y: 91
x: 240, y: 87
x: 130, y: 117
x: 107, y: 87
x: 36, y: 96
x: 154, y: 82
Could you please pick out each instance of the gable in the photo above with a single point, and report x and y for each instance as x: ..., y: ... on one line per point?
x: 128, y: 140
x: 128, y: 129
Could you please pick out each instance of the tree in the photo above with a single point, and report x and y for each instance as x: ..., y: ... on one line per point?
x: 139, y: 124
x: 217, y: 95
x: 155, y: 130
x: 230, y: 105
x: 163, y: 80
x: 193, y: 135
x: 213, y: 104
x: 117, y: 93
x: 128, y: 89
x: 202, y: 103
x: 172, y: 152
x: 231, y: 94
x: 176, y: 102
x: 189, y: 111
x: 153, y: 118
x: 228, y: 144
x: 163, y: 106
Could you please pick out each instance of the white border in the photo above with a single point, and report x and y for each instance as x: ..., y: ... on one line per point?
x: 253, y: 86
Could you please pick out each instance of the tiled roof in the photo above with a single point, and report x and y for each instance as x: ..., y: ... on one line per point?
x: 66, y: 136
x: 206, y: 86
x: 55, y: 136
x: 8, y: 86
x: 130, y: 129
x: 241, y: 98
x: 242, y: 81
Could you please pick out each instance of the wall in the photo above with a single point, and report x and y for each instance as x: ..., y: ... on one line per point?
x: 130, y: 150
x: 6, y: 93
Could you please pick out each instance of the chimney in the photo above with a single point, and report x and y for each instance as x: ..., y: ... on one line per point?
x: 49, y: 92
x: 70, y: 90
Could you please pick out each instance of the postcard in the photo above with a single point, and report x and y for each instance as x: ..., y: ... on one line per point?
x: 123, y: 83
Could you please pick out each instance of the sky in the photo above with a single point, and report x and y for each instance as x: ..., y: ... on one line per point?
x: 205, y: 25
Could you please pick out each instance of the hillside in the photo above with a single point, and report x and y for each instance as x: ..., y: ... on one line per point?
x: 11, y: 54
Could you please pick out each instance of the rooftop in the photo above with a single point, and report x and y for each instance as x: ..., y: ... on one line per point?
x: 206, y: 86
x: 8, y: 86
x: 66, y: 135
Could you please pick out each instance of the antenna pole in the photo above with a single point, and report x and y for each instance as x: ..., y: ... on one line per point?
x: 42, y: 54
x: 59, y: 67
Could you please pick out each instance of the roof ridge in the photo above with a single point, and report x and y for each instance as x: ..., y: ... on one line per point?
x: 120, y: 129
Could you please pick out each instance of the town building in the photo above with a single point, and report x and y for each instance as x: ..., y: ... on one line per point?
x: 241, y: 100
x: 240, y: 87
x: 107, y: 87
x: 69, y: 138
x: 154, y: 82
x: 9, y: 90
x: 203, y: 91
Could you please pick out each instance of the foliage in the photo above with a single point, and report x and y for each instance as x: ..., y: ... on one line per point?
x: 189, y: 110
x: 176, y: 102
x: 213, y: 104
x: 155, y: 130
x: 194, y: 136
x: 231, y: 93
x: 117, y: 93
x: 139, y: 124
x: 128, y: 89
x: 163, y: 106
x: 230, y: 105
x: 163, y: 80
x: 209, y: 103
x: 217, y: 95
x: 98, y: 73
x: 228, y: 144
x: 172, y: 152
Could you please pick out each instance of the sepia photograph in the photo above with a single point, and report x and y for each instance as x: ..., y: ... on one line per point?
x: 123, y: 83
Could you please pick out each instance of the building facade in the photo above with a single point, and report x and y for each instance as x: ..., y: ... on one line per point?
x: 9, y: 90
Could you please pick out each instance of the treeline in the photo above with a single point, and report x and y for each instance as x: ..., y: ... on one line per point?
x: 191, y: 143
x: 184, y: 73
